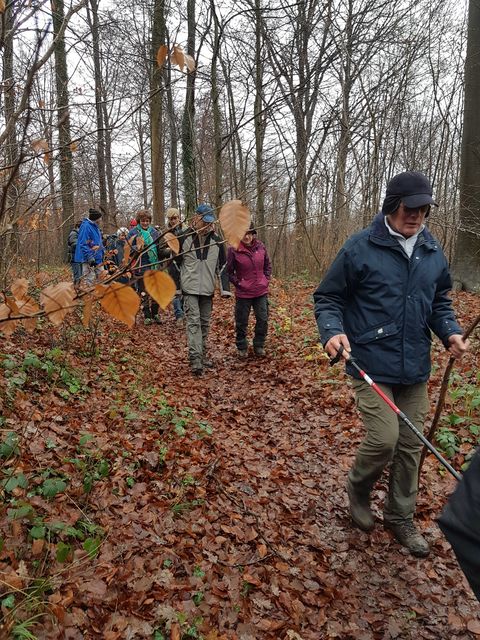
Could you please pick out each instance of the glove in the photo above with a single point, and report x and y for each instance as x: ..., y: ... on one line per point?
x: 91, y: 262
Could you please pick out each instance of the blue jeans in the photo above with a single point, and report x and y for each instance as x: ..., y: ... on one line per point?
x: 178, y: 307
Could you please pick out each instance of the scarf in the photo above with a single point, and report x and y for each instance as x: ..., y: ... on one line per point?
x: 147, y: 240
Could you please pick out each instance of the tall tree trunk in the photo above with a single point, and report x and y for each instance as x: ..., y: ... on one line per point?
x: 102, y: 179
x: 215, y: 94
x: 63, y: 122
x: 188, y: 139
x: 156, y: 115
x: 173, y: 138
x: 9, y: 199
x: 466, y: 267
x: 112, y: 201
x: 259, y: 123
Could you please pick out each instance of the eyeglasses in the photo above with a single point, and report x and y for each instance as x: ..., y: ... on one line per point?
x: 410, y: 211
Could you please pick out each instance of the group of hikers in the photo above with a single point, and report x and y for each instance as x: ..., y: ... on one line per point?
x: 195, y: 268
x: 385, y: 292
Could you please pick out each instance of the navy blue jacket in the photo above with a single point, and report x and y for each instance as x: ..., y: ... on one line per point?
x: 387, y: 304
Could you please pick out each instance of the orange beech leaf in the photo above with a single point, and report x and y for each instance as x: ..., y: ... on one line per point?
x: 12, y: 304
x: 234, y: 219
x: 19, y: 288
x: 41, y: 103
x: 9, y: 326
x: 2, y: 6
x: 87, y: 310
x: 57, y: 300
x: 178, y: 57
x: 28, y: 307
x: 41, y: 278
x: 190, y: 62
x: 73, y: 147
x: 40, y: 145
x: 172, y: 241
x: 175, y: 631
x: 119, y: 300
x: 160, y: 286
x: 162, y: 54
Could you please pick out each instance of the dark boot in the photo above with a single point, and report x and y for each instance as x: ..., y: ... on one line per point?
x: 197, y: 367
x: 360, y: 511
x: 408, y: 536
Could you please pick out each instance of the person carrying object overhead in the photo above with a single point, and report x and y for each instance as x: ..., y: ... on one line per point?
x: 202, y: 256
x: 90, y: 250
x: 386, y: 291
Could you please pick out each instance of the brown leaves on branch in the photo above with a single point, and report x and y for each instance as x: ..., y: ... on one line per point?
x: 41, y: 145
x: 172, y: 241
x: 177, y: 57
x: 160, y: 286
x: 120, y: 301
x: 234, y: 219
x: 57, y: 301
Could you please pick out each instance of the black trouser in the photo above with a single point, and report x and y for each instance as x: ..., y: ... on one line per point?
x: 242, y: 312
x: 149, y: 305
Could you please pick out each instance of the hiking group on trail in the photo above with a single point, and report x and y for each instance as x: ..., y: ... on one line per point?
x: 384, y: 293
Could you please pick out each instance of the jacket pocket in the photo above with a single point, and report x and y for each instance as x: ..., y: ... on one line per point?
x: 377, y: 333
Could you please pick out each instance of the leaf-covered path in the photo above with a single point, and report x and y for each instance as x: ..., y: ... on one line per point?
x: 222, y: 509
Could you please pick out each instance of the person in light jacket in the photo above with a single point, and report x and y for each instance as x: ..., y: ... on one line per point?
x: 386, y: 291
x: 201, y: 259
x: 249, y: 270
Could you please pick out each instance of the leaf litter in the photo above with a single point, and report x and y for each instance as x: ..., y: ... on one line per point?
x: 211, y: 508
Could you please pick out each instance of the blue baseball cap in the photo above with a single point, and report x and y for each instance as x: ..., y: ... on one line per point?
x: 206, y: 213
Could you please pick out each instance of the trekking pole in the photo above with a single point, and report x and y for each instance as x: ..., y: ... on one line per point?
x: 342, y: 353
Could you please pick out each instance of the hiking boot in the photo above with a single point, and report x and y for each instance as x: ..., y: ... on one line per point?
x: 147, y: 321
x: 408, y: 536
x: 360, y: 512
x: 208, y: 363
x: 197, y: 368
x: 158, y: 319
x: 259, y: 351
x: 242, y: 353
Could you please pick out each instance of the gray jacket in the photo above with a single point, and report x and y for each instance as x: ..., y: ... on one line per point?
x: 203, y: 257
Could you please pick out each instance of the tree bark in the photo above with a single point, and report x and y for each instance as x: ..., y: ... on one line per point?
x: 156, y: 115
x: 63, y: 119
x: 466, y: 267
x: 188, y: 139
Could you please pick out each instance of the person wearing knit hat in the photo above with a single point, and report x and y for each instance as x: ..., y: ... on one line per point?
x: 386, y: 291
x: 90, y: 249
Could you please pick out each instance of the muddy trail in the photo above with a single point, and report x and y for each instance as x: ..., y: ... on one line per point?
x: 210, y: 507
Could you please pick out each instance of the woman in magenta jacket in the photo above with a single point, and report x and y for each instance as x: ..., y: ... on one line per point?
x: 249, y: 270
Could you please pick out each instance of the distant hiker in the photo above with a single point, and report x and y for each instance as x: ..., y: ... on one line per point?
x: 175, y: 226
x: 144, y: 235
x: 203, y: 256
x: 90, y: 249
x: 72, y: 245
x: 385, y: 291
x: 115, y: 250
x: 249, y: 270
x: 460, y: 522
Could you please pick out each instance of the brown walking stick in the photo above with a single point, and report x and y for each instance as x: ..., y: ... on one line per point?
x: 442, y: 394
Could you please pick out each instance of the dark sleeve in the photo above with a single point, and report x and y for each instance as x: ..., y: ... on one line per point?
x: 460, y: 522
x: 232, y: 276
x: 442, y: 319
x: 267, y: 266
x: 222, y: 263
x: 330, y: 298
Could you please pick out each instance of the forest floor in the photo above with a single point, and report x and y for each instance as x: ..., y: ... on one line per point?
x: 140, y: 502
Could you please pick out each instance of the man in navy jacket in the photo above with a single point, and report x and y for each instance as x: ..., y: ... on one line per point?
x: 385, y: 292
